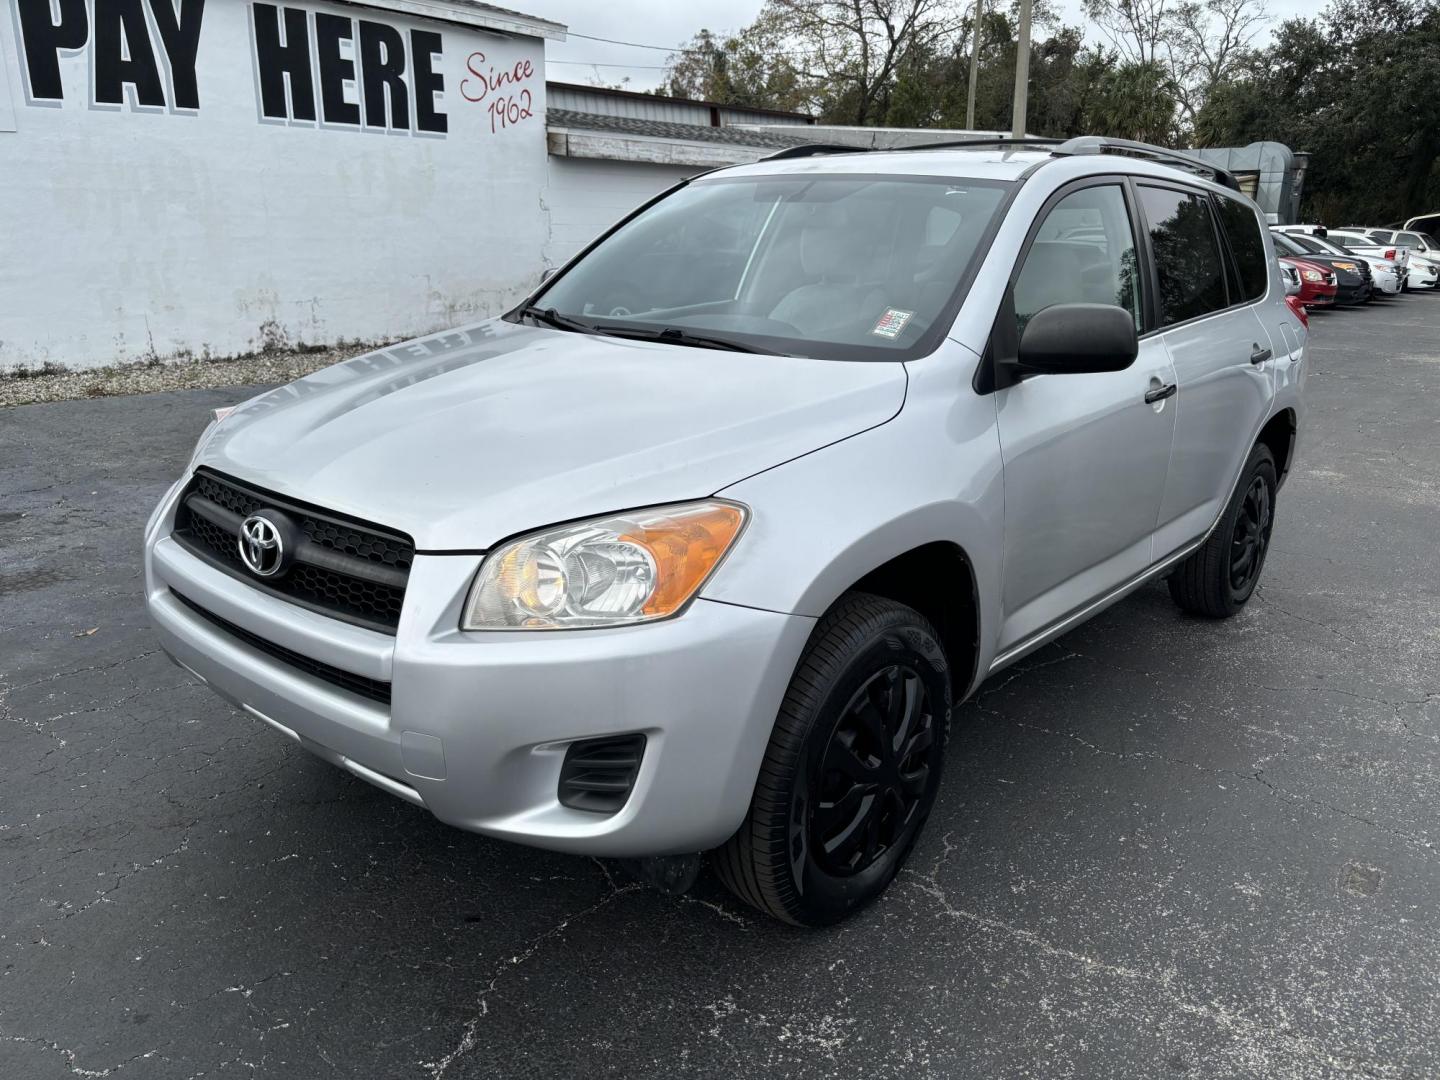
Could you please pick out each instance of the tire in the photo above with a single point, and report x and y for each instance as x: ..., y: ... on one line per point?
x: 1218, y: 578
x: 834, y: 815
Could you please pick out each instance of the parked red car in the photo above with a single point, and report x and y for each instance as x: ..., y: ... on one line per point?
x: 1317, y: 283
x: 1292, y: 301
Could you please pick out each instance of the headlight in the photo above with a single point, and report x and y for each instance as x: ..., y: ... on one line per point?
x: 1347, y: 266
x: 1313, y: 275
x: 611, y: 571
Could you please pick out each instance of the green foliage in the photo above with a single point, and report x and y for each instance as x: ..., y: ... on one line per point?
x: 747, y: 69
x: 1356, y: 88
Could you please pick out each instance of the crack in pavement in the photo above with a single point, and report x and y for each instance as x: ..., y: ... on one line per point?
x: 1021, y: 672
x: 1251, y: 1033
x: 1421, y: 842
x: 438, y: 1068
x: 136, y: 869
x: 81, y: 671
x: 71, y: 1056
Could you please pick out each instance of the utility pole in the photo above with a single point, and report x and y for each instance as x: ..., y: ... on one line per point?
x: 974, y: 65
x: 1022, y: 72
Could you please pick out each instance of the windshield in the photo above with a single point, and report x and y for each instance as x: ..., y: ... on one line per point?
x: 1286, y: 243
x: 1333, y: 247
x: 843, y: 266
x: 1315, y: 245
x: 1422, y: 241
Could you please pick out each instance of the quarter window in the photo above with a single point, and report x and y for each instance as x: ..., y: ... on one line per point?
x: 1247, y: 244
x: 1187, y: 258
x: 1083, y: 253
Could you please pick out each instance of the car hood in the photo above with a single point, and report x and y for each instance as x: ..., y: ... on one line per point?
x: 467, y: 437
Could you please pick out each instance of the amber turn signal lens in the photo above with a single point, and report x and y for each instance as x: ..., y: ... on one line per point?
x: 685, y: 545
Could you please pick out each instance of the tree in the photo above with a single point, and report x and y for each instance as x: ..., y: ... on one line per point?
x: 1135, y: 101
x: 851, y: 51
x: 1136, y: 29
x: 1199, y: 43
x: 1207, y: 44
x: 744, y: 69
x: 1344, y: 88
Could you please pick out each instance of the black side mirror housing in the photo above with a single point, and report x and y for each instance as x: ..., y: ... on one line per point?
x: 1067, y: 339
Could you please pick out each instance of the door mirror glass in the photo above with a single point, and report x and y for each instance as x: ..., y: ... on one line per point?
x: 1072, y: 338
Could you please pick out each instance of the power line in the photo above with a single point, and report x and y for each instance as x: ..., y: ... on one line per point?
x: 631, y: 44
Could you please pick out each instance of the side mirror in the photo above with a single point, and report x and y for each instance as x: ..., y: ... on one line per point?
x: 1067, y: 339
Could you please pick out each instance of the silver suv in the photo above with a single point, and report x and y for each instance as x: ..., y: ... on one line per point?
x: 699, y: 547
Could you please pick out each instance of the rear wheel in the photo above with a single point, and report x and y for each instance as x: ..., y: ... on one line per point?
x: 1219, y: 577
x: 851, y: 770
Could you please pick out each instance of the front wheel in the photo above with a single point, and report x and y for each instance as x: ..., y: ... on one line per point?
x: 1222, y: 573
x: 851, y: 769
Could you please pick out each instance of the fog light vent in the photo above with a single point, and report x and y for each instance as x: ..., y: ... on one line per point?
x: 599, y: 773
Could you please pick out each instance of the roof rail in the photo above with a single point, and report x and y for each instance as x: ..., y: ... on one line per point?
x: 961, y: 144
x: 813, y: 150
x: 1098, y: 144
x: 1084, y: 144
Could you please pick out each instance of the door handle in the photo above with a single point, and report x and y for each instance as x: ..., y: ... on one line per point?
x: 1259, y: 355
x: 1160, y: 393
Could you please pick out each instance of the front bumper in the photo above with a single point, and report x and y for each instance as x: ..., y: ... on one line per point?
x: 1423, y: 278
x: 1347, y: 295
x: 1386, y: 282
x: 478, y: 723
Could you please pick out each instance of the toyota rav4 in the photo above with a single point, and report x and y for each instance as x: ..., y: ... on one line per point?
x: 698, y: 547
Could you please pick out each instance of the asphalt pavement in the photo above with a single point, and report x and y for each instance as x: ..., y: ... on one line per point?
x: 1165, y: 847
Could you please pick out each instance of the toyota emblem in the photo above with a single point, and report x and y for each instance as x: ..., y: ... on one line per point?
x: 262, y: 548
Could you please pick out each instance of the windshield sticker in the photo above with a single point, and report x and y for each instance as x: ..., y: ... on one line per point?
x: 892, y: 322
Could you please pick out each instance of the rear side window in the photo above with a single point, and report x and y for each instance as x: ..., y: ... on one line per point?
x: 1242, y: 229
x: 1187, y: 255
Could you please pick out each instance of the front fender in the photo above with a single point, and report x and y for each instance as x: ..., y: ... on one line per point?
x: 823, y: 521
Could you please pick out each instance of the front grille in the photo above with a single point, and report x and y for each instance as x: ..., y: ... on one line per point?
x: 347, y: 569
x: 360, y: 685
x: 597, y: 774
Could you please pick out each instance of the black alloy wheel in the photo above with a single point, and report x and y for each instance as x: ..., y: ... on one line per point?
x: 1251, y: 537
x: 873, y: 774
x: 1221, y: 575
x: 852, y: 767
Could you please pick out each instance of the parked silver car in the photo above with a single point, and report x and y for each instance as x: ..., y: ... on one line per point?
x: 699, y: 546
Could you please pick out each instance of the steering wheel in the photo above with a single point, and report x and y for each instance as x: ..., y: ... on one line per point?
x: 620, y: 301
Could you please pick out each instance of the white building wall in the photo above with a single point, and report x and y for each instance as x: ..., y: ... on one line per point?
x: 132, y: 230
x: 585, y: 196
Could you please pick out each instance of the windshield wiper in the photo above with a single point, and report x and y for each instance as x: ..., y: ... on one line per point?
x: 675, y: 336
x: 551, y: 317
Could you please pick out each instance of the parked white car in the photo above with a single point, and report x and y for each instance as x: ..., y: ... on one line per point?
x: 1424, y: 251
x: 1412, y: 240
x: 1422, y: 267
x: 1424, y: 273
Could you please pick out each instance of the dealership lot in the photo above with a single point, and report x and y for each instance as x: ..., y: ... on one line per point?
x: 1164, y: 847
